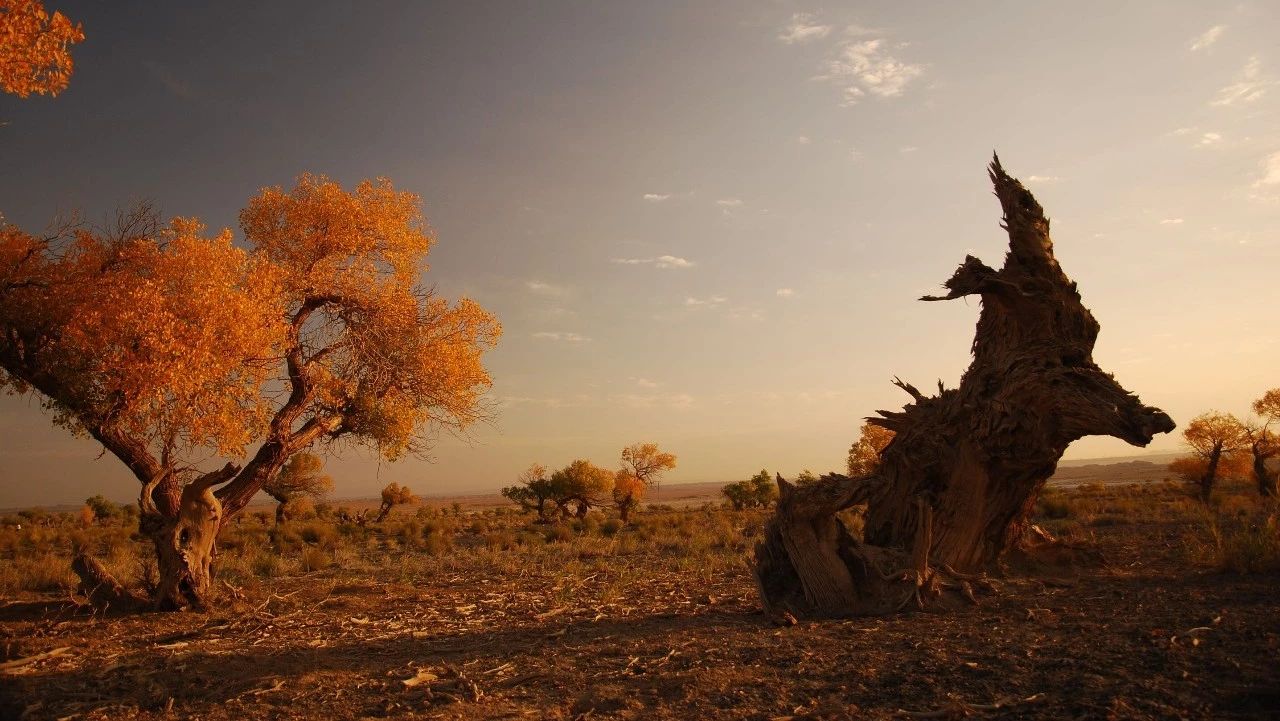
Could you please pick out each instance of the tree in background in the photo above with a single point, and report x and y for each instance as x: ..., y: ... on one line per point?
x: 806, y: 478
x: 583, y: 483
x: 302, y: 477
x: 532, y: 491
x: 628, y: 491
x: 394, y: 494
x: 35, y: 48
x: 1213, y: 437
x: 864, y: 455
x: 103, y: 509
x: 642, y: 465
x: 168, y: 345
x: 758, y: 491
x: 1264, y: 442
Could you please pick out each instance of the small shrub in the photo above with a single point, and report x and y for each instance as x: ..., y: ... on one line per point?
x: 610, y: 527
x: 313, y: 559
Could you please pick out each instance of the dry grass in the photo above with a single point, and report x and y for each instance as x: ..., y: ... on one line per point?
x: 653, y: 619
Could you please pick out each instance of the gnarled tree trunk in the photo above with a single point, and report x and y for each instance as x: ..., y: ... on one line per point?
x: 956, y: 486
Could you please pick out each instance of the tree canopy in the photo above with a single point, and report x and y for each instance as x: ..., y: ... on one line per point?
x: 35, y: 48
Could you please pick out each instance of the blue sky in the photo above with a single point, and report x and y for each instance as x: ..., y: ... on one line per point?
x: 703, y: 224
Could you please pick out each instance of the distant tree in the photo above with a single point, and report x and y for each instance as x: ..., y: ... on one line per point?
x: 533, y: 491
x: 87, y: 516
x: 394, y: 494
x: 739, y: 494
x: 1212, y: 437
x: 759, y: 491
x: 102, y: 508
x: 642, y: 465
x: 628, y: 491
x: 1264, y: 442
x: 764, y: 488
x: 582, y: 483
x: 302, y: 476
x: 35, y: 48
x: 646, y: 462
x: 806, y: 478
x: 864, y: 454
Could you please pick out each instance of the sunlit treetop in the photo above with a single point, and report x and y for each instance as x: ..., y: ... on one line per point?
x: 35, y: 48
x: 178, y: 340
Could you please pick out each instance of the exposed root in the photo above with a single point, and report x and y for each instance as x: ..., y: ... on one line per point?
x: 101, y: 589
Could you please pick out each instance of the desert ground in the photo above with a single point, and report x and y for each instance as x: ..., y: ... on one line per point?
x: 473, y: 611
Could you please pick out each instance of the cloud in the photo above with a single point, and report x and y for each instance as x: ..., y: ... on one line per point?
x: 729, y: 202
x: 803, y: 139
x: 785, y: 293
x: 803, y: 28
x: 1207, y: 38
x: 867, y: 67
x: 1270, y: 171
x: 1171, y: 221
x: 653, y: 400
x: 171, y: 82
x: 1208, y: 139
x: 1182, y: 131
x: 711, y: 300
x: 547, y: 289
x: 855, y: 154
x: 646, y: 383
x: 656, y: 197
x: 1248, y: 87
x: 561, y: 336
x: 1045, y: 179
x: 662, y: 261
x: 908, y: 149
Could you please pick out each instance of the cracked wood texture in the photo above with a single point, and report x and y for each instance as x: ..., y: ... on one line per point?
x: 974, y: 458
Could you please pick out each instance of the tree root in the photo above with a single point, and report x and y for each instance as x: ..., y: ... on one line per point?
x: 102, y: 590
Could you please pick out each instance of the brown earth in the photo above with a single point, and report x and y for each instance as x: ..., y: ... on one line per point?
x: 644, y: 635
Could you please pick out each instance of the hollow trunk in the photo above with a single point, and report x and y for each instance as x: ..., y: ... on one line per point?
x: 956, y: 486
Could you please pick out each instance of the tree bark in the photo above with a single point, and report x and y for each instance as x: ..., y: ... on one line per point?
x: 956, y: 486
x: 1264, y: 449
x: 1210, y: 475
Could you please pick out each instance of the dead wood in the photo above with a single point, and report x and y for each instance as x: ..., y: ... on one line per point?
x: 956, y: 486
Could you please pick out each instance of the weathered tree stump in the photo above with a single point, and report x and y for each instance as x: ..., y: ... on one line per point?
x: 956, y: 486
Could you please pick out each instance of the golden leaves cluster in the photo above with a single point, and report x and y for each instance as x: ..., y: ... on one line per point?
x: 188, y: 340
x: 35, y: 54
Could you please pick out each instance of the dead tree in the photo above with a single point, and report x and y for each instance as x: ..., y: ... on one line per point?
x: 956, y: 486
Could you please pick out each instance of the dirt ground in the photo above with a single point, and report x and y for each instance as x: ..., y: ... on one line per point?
x: 1140, y: 638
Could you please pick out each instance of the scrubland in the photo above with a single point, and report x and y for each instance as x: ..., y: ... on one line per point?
x: 1168, y: 610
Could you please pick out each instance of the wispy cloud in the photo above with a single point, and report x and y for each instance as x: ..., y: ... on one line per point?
x: 803, y: 28
x: 646, y: 383
x: 1043, y: 179
x: 540, y: 288
x: 656, y: 197
x: 1250, y: 85
x: 785, y: 293
x: 171, y: 82
x: 1270, y: 171
x: 1207, y: 38
x: 561, y: 336
x: 729, y: 202
x: 1209, y: 139
x: 1171, y: 221
x: 868, y: 67
x: 653, y: 400
x: 662, y: 261
x: 711, y: 300
x: 803, y: 139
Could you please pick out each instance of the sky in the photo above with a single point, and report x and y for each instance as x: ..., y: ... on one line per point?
x: 701, y: 224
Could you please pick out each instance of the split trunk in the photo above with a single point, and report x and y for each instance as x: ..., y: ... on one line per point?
x: 955, y: 488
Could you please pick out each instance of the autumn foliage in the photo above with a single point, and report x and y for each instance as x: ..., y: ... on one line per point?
x: 169, y: 344
x: 864, y: 454
x: 35, y: 48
